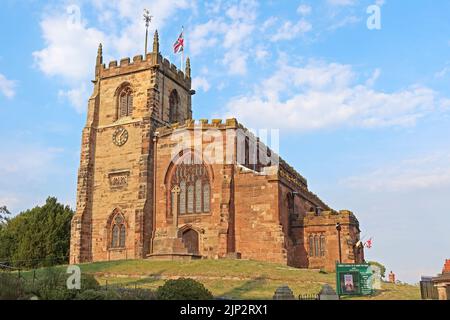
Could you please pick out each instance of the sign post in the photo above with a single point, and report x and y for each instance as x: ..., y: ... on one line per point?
x: 354, y: 279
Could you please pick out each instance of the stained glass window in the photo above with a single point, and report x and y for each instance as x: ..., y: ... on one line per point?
x: 190, y: 199
x: 311, y: 246
x: 122, y: 236
x: 115, y: 236
x: 322, y: 246
x: 198, y: 196
x: 182, y: 197
x: 206, y: 198
x: 316, y: 246
x: 118, y: 237
x: 193, y: 181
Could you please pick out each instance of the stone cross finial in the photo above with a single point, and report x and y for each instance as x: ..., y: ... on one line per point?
x: 156, y: 42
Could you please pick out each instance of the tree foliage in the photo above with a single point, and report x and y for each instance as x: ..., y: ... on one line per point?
x: 183, y: 289
x: 4, y: 213
x: 379, y: 265
x: 38, y: 237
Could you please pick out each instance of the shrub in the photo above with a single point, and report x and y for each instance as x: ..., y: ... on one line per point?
x: 53, y: 285
x: 379, y: 265
x: 39, y: 237
x: 136, y: 294
x: 183, y: 289
x: 92, y: 295
x: 11, y: 287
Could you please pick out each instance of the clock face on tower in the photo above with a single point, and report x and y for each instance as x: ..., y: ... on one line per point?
x: 120, y: 137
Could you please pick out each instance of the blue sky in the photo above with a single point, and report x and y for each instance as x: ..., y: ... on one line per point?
x: 364, y: 114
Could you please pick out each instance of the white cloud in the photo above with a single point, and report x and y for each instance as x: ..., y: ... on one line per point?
x: 443, y: 73
x: 425, y: 172
x: 200, y: 83
x: 76, y: 96
x: 326, y: 95
x: 7, y: 87
x: 371, y: 81
x: 261, y: 54
x: 348, y: 20
x: 270, y: 22
x: 341, y: 2
x: 304, y: 10
x: 70, y: 49
x: 71, y: 44
x: 28, y: 170
x: 236, y: 60
x: 234, y: 33
x: 204, y: 36
x: 290, y: 30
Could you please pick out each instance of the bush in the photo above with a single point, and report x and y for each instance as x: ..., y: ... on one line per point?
x: 11, y: 287
x: 39, y: 237
x: 136, y: 294
x: 380, y: 266
x: 183, y: 289
x: 92, y: 295
x: 53, y: 286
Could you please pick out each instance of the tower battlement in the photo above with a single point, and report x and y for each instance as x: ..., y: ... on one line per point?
x: 153, y: 60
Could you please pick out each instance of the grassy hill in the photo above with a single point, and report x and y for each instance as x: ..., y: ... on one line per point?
x: 237, y: 279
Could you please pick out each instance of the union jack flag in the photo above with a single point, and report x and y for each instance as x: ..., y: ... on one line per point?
x: 369, y: 244
x: 179, y: 44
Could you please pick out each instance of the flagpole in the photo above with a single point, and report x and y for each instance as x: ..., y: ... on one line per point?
x: 182, y: 53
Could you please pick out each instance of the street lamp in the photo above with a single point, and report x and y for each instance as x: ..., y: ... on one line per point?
x: 339, y: 228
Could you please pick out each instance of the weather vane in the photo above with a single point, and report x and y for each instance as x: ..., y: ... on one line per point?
x: 147, y: 19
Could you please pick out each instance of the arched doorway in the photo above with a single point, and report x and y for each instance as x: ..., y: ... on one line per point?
x: 190, y: 240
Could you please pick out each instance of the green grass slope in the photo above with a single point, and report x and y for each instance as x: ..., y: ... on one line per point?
x: 236, y: 279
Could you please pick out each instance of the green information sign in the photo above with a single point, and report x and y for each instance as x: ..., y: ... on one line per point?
x: 354, y: 279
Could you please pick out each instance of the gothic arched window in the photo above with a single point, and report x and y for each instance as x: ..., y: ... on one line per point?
x: 311, y: 246
x: 316, y: 246
x: 174, y: 107
x: 125, y: 102
x: 193, y: 195
x: 322, y: 246
x: 118, y: 232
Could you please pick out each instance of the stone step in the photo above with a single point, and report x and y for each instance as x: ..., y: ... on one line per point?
x: 169, y: 246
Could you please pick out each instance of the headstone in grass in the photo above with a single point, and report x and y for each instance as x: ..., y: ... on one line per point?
x: 284, y: 293
x: 328, y: 293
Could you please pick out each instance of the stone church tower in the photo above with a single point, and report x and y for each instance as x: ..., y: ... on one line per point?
x: 130, y: 100
x: 153, y: 183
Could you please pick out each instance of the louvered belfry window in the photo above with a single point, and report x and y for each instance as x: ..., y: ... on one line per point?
x: 125, y: 102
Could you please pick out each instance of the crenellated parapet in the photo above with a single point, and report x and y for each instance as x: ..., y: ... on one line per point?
x: 288, y: 173
x: 327, y: 217
x: 138, y: 63
x: 202, y: 124
x: 151, y: 61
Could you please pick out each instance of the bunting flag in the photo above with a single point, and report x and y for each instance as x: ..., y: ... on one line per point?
x: 179, y: 44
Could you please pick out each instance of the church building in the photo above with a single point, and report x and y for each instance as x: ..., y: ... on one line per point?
x: 155, y: 184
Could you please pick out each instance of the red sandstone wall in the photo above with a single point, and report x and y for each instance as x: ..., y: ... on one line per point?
x: 211, y: 227
x: 259, y: 233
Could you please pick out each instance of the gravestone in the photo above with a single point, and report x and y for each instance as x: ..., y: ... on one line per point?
x: 284, y: 293
x: 328, y: 293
